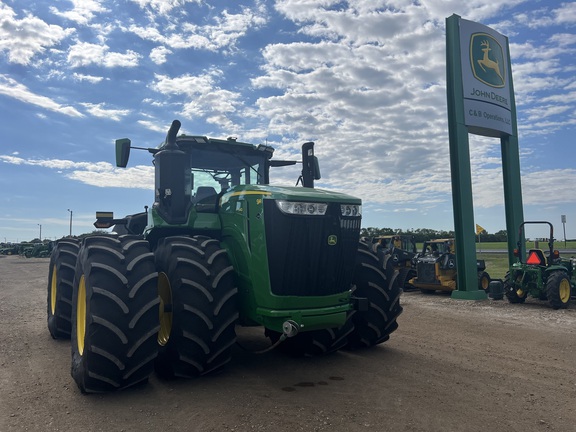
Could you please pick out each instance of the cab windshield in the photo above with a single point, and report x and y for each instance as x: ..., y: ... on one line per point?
x: 221, y: 170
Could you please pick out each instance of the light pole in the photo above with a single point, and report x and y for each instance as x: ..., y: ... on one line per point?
x: 563, y: 219
x: 40, y: 225
x: 70, y: 222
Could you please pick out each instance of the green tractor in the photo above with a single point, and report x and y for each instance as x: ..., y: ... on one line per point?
x: 542, y: 276
x: 220, y: 247
x: 39, y: 250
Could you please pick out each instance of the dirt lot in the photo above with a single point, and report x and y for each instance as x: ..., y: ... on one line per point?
x: 453, y: 365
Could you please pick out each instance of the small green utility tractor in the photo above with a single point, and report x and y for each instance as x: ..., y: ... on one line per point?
x: 545, y: 276
x: 436, y: 268
x: 401, y: 250
x: 219, y: 247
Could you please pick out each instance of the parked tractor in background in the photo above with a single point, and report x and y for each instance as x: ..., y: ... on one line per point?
x: 220, y: 247
x: 401, y: 250
x: 545, y: 276
x: 38, y: 250
x: 436, y: 268
x: 11, y: 249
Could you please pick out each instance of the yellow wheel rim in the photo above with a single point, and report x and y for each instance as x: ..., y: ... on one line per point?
x: 485, y: 283
x: 81, y: 315
x: 564, y: 290
x: 53, y: 289
x: 165, y: 294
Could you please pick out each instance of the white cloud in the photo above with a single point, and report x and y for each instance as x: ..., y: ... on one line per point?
x: 88, y: 78
x: 82, y: 12
x: 566, y: 13
x: 12, y: 88
x: 100, y: 174
x: 225, y: 31
x: 24, y: 38
x: 85, y: 53
x: 99, y: 110
x: 158, y: 54
x: 163, y: 6
x: 202, y: 98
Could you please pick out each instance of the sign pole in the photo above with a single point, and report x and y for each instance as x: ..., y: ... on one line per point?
x: 480, y: 101
x: 467, y: 275
x: 512, y: 181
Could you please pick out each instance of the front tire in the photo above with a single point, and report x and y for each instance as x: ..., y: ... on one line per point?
x: 199, y: 311
x: 60, y: 287
x: 483, y: 281
x: 558, y: 289
x: 375, y: 280
x: 114, y: 314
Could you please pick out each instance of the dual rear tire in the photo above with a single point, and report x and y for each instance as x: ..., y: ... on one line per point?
x: 114, y: 314
x: 198, y: 316
x: 129, y: 311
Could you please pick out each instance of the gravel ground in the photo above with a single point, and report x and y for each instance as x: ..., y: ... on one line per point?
x: 452, y: 365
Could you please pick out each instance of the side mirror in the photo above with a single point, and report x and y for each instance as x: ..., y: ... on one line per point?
x: 316, y: 168
x: 310, y: 166
x: 122, y: 152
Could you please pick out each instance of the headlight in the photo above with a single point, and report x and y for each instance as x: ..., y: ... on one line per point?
x: 351, y: 210
x: 302, y: 208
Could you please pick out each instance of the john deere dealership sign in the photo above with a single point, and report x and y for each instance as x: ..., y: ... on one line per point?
x: 486, y: 84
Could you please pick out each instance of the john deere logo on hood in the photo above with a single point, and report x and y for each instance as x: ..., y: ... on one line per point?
x: 487, y: 60
x: 332, y: 240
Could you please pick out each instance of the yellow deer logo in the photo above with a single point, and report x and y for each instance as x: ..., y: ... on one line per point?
x: 486, y: 62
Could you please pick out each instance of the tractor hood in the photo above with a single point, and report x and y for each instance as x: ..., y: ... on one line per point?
x: 290, y: 194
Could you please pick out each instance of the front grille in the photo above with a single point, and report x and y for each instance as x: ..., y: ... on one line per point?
x: 301, y: 262
x: 426, y: 272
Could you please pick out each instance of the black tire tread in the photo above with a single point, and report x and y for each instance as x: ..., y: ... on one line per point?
x: 553, y: 289
x: 375, y: 279
x: 63, y: 260
x: 205, y: 312
x: 122, y: 313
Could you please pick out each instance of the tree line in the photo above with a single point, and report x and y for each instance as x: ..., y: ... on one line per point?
x: 424, y: 234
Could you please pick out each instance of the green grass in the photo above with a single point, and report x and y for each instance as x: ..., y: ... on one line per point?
x: 558, y: 244
x: 496, y: 264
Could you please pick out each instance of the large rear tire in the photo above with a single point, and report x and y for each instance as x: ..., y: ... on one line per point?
x: 60, y: 287
x: 558, y: 289
x: 114, y: 314
x: 374, y: 279
x: 513, y: 294
x: 199, y: 312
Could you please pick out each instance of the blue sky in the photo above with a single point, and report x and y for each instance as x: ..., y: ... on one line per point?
x: 364, y: 79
